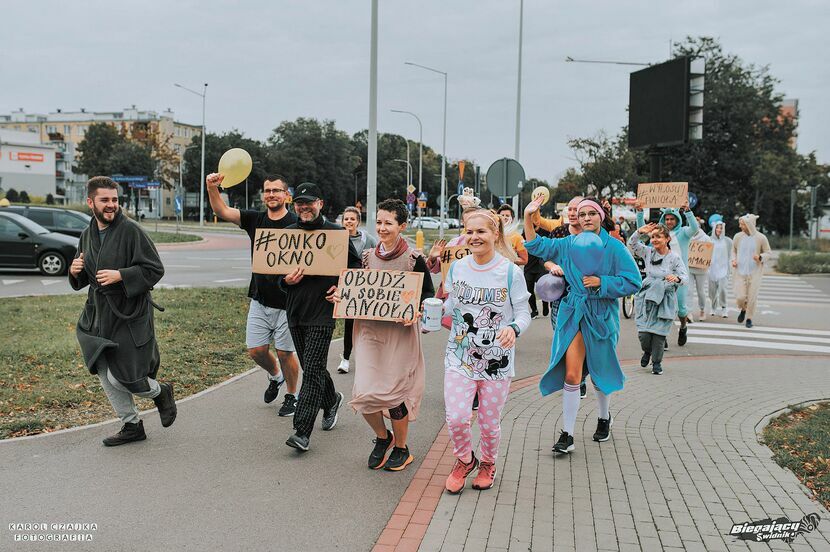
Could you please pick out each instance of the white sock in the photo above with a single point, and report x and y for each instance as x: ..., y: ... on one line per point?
x: 604, y: 404
x: 570, y: 406
x: 279, y: 378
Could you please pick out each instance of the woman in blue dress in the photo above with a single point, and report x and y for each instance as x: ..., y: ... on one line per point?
x: 588, y: 322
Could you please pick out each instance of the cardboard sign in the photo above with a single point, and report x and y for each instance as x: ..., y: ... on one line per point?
x: 700, y: 254
x: 451, y: 254
x: 317, y: 252
x: 370, y: 294
x: 663, y: 194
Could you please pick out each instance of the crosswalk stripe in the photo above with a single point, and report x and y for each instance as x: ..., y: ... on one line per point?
x: 757, y: 335
x: 767, y: 329
x: 761, y: 344
x: 50, y: 282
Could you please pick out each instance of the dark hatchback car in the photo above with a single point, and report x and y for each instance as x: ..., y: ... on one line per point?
x: 65, y: 221
x: 25, y: 244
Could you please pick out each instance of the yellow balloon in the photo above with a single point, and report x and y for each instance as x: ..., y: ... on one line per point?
x: 235, y: 165
x: 541, y: 191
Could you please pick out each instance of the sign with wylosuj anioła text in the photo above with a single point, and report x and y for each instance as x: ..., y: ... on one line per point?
x: 663, y: 194
x: 700, y: 254
x: 317, y: 252
x: 370, y: 294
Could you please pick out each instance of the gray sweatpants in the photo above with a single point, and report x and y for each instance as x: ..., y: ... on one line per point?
x: 654, y: 344
x: 699, y: 281
x: 121, y: 399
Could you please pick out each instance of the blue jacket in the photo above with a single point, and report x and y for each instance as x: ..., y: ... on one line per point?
x: 594, y: 313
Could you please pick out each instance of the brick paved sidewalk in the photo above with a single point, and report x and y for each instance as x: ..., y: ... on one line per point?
x: 683, y: 464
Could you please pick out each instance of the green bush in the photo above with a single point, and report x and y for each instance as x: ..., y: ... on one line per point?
x: 805, y: 262
x: 800, y: 243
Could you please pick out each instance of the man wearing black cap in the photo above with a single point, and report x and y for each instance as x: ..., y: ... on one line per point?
x: 311, y: 324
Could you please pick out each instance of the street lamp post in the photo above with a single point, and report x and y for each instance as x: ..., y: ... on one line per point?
x: 202, y: 94
x: 181, y: 184
x: 443, y: 147
x: 408, y: 172
x: 420, y: 152
x: 519, y: 98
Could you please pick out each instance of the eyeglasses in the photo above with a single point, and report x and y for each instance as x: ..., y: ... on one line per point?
x: 587, y: 214
x: 276, y: 191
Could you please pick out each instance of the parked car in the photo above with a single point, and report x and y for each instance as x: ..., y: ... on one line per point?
x: 65, y: 221
x: 26, y: 244
x: 428, y: 223
x: 453, y: 222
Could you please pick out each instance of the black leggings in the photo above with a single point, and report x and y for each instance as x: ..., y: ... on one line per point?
x: 347, y: 338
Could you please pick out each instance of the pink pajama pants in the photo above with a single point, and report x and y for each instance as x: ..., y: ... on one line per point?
x: 458, y: 400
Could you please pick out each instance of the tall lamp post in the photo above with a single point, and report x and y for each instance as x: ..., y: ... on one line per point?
x: 519, y: 99
x: 202, y: 95
x: 408, y: 172
x: 420, y: 151
x: 443, y: 147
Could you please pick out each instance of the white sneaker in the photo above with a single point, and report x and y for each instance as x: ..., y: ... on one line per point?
x: 724, y: 313
x: 343, y: 368
x: 702, y: 315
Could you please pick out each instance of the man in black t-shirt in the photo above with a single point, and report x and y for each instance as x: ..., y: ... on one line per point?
x: 267, y: 318
x: 311, y: 324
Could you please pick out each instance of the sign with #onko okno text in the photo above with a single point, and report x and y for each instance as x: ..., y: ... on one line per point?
x: 317, y: 252
x: 663, y: 194
x: 700, y: 254
x: 371, y: 294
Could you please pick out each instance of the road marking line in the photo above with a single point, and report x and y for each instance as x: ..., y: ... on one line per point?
x: 772, y: 329
x: 10, y: 282
x: 181, y: 266
x: 735, y: 332
x: 230, y: 280
x: 50, y: 282
x: 761, y: 344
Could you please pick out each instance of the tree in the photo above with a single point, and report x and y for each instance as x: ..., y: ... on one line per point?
x: 12, y: 195
x: 130, y: 158
x: 24, y: 197
x: 609, y: 168
x: 95, y: 149
x: 50, y: 199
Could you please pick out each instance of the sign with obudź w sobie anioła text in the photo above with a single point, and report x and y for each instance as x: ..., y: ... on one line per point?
x: 371, y: 294
x: 451, y: 254
x: 663, y: 194
x: 317, y: 252
x: 700, y: 254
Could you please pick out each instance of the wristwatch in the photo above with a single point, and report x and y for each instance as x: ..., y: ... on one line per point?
x: 515, y: 328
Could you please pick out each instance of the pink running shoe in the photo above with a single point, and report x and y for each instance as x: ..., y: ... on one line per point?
x: 458, y: 475
x: 485, y: 477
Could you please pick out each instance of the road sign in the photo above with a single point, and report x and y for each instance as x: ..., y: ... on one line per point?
x: 121, y: 178
x: 410, y: 189
x: 504, y: 176
x: 410, y: 198
x: 142, y: 185
x: 178, y: 204
x: 422, y: 204
x: 423, y: 196
x: 460, y: 188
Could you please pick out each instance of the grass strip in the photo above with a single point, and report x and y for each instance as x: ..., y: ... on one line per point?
x: 44, y: 385
x: 800, y: 442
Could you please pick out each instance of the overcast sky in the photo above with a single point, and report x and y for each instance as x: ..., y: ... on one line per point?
x: 275, y: 60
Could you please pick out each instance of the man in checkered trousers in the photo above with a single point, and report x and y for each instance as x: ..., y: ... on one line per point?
x: 311, y: 324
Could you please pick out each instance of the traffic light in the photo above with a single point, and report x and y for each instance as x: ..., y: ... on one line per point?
x: 697, y: 70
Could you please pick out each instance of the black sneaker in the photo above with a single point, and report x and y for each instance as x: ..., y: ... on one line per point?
x: 545, y: 310
x: 583, y: 390
x: 330, y: 417
x: 603, y: 432
x: 382, y: 446
x: 475, y: 401
x: 657, y: 369
x: 289, y: 405
x: 399, y: 459
x: 741, y: 316
x: 748, y: 322
x: 645, y: 359
x: 129, y: 433
x: 681, y: 336
x: 273, y: 390
x: 565, y: 444
x: 166, y: 405
x: 299, y: 442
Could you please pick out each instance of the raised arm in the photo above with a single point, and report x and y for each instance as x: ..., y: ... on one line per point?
x: 224, y: 212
